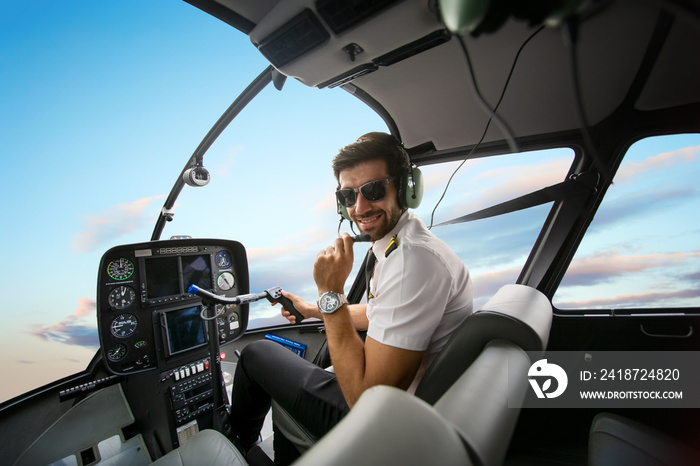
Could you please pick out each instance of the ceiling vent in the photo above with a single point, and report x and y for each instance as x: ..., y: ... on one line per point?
x: 341, y: 16
x: 293, y: 39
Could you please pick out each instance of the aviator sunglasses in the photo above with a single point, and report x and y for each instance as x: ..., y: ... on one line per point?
x: 373, y: 191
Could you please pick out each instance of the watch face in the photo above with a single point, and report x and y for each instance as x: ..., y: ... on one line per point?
x: 329, y: 302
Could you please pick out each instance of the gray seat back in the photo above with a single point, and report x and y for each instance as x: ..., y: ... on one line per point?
x: 389, y: 426
x: 516, y: 313
x: 484, y: 402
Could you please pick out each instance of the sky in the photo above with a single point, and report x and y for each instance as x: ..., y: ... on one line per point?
x: 102, y: 103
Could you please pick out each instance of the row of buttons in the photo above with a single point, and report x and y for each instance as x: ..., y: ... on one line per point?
x: 193, y: 369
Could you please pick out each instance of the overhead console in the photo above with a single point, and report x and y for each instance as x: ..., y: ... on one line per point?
x: 146, y: 318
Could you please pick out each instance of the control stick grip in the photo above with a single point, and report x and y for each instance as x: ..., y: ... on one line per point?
x: 274, y: 295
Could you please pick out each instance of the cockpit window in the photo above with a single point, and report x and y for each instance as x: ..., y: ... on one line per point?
x: 642, y: 250
x: 494, y: 249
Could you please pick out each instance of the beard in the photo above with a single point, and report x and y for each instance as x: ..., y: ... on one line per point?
x: 386, y: 221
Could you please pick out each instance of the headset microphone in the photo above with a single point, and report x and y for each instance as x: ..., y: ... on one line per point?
x: 362, y: 237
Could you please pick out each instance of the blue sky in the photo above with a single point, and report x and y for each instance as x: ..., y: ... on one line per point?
x: 102, y: 104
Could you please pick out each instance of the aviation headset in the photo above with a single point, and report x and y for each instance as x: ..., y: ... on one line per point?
x: 409, y: 187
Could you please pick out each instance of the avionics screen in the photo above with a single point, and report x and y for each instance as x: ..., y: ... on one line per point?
x: 163, y: 274
x: 184, y: 329
x: 196, y: 270
x: 162, y: 277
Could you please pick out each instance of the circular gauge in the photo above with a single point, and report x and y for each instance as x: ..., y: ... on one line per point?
x: 223, y: 260
x: 226, y: 281
x: 120, y: 269
x: 121, y: 297
x: 116, y: 352
x: 124, y: 325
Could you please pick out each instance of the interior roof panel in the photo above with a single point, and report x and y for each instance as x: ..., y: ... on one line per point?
x: 539, y: 98
x: 675, y: 80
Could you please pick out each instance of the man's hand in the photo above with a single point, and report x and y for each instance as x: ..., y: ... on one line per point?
x: 308, y: 310
x: 333, y: 265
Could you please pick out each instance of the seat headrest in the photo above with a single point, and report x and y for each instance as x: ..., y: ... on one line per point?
x: 516, y: 313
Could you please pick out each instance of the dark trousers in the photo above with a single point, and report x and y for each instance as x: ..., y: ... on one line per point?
x: 266, y: 371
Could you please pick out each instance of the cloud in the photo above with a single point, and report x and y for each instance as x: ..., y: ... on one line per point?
x: 486, y: 284
x: 327, y: 204
x: 664, y: 160
x: 73, y: 330
x: 506, y: 183
x: 605, y: 266
x: 616, y: 210
x: 631, y: 300
x: 113, y: 223
x: 299, y: 243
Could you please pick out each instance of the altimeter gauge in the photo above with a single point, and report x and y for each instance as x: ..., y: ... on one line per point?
x: 124, y: 325
x: 121, y: 297
x: 120, y: 269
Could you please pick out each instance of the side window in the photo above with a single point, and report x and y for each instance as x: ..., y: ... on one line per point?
x: 642, y: 250
x: 494, y: 249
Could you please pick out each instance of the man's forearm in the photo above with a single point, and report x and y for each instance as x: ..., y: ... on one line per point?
x: 347, y: 352
x: 358, y: 314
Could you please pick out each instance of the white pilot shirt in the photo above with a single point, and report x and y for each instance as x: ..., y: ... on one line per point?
x: 421, y: 292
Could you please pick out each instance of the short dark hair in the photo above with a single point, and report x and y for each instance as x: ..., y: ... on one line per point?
x: 372, y: 146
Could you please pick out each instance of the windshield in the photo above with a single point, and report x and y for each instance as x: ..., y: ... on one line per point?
x: 103, y: 103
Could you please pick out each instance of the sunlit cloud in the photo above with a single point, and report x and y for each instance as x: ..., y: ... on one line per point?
x: 663, y: 160
x: 503, y: 184
x: 487, y: 284
x: 295, y: 245
x: 75, y: 329
x: 113, y: 223
x: 327, y: 204
x: 509, y: 182
x: 632, y: 300
x: 602, y: 267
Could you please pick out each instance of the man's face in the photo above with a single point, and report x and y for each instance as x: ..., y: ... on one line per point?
x: 375, y: 218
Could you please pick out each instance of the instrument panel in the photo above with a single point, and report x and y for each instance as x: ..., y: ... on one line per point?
x: 146, y: 318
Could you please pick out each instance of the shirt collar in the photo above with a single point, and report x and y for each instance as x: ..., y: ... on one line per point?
x: 380, y: 245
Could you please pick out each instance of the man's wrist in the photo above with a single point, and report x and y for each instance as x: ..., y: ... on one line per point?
x: 330, y: 301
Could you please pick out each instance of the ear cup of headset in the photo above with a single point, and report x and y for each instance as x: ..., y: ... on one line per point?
x: 343, y: 211
x: 410, y: 188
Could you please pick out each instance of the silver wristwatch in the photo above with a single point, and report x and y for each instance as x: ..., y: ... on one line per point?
x: 329, y: 302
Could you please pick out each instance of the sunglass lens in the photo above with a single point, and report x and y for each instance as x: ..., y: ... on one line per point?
x: 346, y: 197
x: 374, y: 190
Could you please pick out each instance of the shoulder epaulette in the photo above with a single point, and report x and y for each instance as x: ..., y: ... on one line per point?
x: 391, y: 247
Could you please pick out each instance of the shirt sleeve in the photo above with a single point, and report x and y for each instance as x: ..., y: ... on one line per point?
x: 412, y: 293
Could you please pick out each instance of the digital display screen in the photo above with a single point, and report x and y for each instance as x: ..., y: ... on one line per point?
x: 196, y: 270
x: 162, y: 277
x: 184, y: 329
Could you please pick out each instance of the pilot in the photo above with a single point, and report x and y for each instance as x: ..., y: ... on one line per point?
x: 419, y: 293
